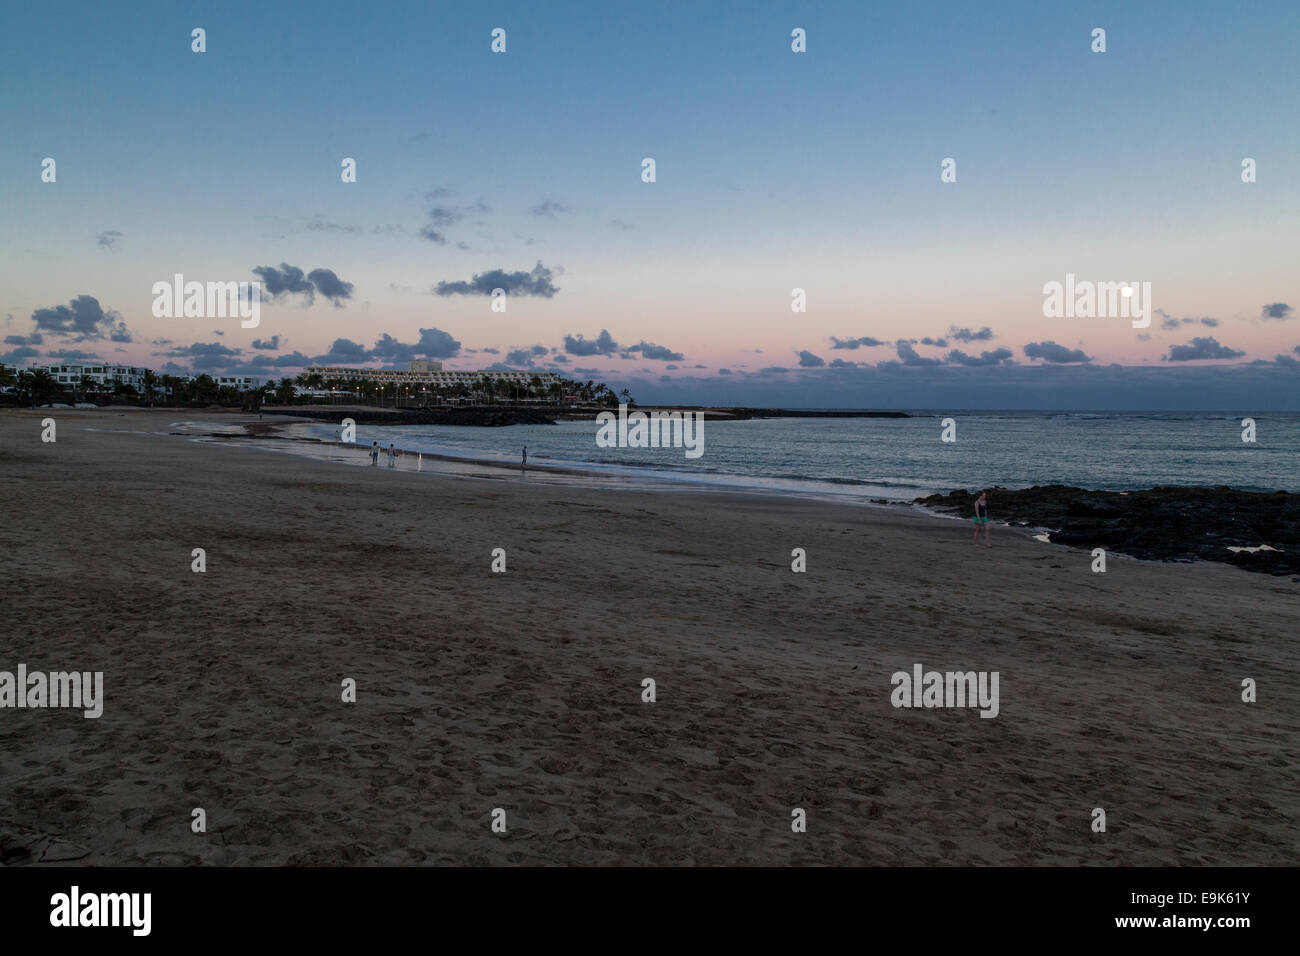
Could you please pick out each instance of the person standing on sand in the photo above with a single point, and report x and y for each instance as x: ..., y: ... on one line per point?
x: 374, y: 453
x: 392, y: 455
x: 524, y: 465
x: 982, y: 518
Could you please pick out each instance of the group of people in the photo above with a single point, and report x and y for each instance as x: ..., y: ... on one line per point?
x: 374, y: 454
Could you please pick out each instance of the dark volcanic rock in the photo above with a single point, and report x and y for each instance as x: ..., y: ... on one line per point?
x: 1160, y: 524
x: 483, y: 415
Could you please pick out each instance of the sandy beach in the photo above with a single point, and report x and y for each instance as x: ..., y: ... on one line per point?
x: 523, y: 690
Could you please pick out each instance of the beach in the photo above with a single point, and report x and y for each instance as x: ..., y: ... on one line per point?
x: 523, y: 690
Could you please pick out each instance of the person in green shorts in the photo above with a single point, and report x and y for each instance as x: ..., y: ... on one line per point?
x: 982, y: 518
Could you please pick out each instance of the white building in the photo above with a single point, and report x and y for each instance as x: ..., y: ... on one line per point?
x: 242, y: 382
x: 73, y: 375
x: 425, y: 372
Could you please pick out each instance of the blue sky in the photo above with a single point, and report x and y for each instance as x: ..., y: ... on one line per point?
x: 775, y: 170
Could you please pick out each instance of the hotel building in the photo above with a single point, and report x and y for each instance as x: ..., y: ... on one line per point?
x: 72, y: 375
x: 425, y: 372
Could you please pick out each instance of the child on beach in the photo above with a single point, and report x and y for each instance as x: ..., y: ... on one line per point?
x: 374, y: 453
x: 392, y: 455
x: 982, y: 518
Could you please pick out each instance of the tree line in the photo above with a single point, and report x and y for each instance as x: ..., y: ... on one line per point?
x: 38, y: 386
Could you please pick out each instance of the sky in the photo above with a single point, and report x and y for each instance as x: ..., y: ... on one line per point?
x: 775, y: 170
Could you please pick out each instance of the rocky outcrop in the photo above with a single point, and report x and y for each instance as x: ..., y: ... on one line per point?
x: 491, y: 416
x: 1162, y: 524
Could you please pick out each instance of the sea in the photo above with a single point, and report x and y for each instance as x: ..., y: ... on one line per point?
x: 899, y: 459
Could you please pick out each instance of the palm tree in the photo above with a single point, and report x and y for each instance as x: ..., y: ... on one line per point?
x: 39, y: 384
x: 285, y: 391
x: 204, y: 388
x: 150, y: 383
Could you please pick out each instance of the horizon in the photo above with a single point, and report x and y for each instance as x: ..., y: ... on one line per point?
x: 780, y: 176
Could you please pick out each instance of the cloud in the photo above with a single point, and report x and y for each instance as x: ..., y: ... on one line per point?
x: 966, y: 335
x: 937, y: 343
x: 445, y: 215
x: 538, y: 282
x: 996, y: 357
x: 908, y: 355
x: 808, y: 360
x: 287, y: 360
x: 108, y: 238
x: 1169, y: 322
x: 866, y: 341
x: 389, y: 349
x: 320, y: 224
x: 330, y: 286
x: 82, y: 319
x: 622, y: 226
x: 526, y: 356
x: 269, y: 345
x: 1200, y: 348
x: 548, y: 208
x: 34, y: 339
x: 842, y: 363
x: 290, y: 280
x: 73, y: 355
x: 1055, y: 354
x: 1276, y: 310
x: 651, y: 351
x: 724, y: 371
x: 602, y: 344
x: 433, y: 343
x: 205, y: 356
x: 18, y: 354
x: 343, y: 352
x: 489, y: 351
x: 286, y: 280
x: 442, y: 217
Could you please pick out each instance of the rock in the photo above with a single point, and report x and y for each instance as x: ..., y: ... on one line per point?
x: 59, y: 852
x: 1159, y: 524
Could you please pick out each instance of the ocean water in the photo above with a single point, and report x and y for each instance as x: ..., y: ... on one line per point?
x: 904, y: 458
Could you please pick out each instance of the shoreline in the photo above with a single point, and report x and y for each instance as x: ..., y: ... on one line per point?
x: 1042, y: 523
